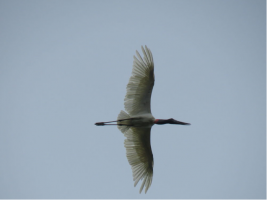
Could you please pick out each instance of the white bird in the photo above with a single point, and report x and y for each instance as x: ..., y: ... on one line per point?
x: 137, y: 123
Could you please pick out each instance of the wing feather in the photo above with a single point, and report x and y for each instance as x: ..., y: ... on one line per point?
x: 139, y: 88
x: 139, y: 155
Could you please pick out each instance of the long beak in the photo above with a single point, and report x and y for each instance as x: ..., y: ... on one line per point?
x: 173, y: 121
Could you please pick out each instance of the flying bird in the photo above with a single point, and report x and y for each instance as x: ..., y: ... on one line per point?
x: 136, y: 124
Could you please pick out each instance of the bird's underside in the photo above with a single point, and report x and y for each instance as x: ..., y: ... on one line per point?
x: 137, y: 105
x: 137, y: 122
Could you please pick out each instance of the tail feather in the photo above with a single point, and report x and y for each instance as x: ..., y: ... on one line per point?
x: 122, y: 116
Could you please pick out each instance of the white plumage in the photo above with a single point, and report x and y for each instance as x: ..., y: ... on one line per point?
x: 139, y: 88
x: 137, y: 104
x: 136, y: 124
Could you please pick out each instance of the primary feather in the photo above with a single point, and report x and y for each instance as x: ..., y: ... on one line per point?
x: 139, y: 88
x: 139, y: 155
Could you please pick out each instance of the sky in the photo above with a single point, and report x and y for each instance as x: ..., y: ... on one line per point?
x: 64, y: 65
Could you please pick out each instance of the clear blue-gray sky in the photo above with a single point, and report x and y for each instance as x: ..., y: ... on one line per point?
x: 64, y: 65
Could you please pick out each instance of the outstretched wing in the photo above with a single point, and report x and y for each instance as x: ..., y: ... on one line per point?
x: 139, y: 88
x: 139, y: 155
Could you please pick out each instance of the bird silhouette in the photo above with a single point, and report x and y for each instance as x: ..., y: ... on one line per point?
x: 136, y: 124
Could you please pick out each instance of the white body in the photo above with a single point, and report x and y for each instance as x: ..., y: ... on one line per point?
x: 136, y: 124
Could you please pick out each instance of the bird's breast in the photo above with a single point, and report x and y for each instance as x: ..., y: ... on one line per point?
x: 143, y: 121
